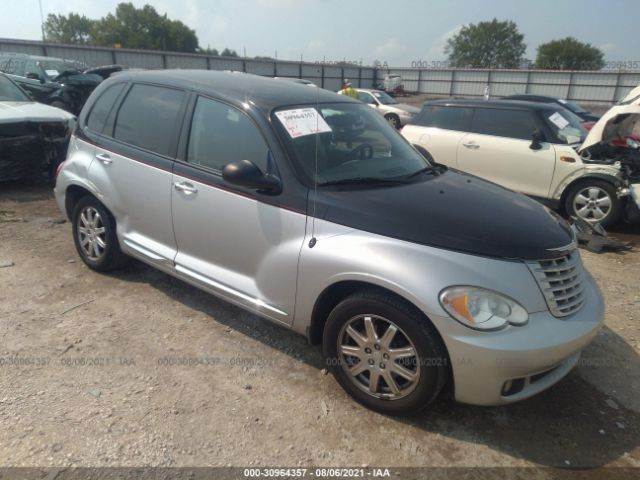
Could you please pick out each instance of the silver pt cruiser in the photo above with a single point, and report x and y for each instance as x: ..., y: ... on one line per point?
x: 306, y: 208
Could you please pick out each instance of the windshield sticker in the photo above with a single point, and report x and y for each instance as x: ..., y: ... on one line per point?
x: 562, y: 101
x: 302, y: 121
x: 52, y: 73
x: 558, y: 120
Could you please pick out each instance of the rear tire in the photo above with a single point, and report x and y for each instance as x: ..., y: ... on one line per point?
x: 94, y: 235
x: 594, y: 201
x: 397, y: 373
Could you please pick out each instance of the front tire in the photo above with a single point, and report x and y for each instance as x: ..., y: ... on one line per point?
x: 595, y: 201
x: 94, y: 235
x: 384, y: 353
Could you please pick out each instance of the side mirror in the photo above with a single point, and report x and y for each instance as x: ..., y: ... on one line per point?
x: 34, y: 76
x: 536, y: 140
x: 245, y: 173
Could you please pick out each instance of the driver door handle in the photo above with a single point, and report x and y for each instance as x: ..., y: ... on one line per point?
x: 472, y: 146
x: 185, y: 187
x: 104, y: 158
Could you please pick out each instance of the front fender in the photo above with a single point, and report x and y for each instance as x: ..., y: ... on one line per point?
x: 608, y: 173
x: 417, y: 273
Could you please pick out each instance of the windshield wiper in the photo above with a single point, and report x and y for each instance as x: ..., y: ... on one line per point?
x: 429, y: 169
x: 362, y: 181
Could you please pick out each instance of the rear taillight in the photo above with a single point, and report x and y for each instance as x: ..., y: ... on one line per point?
x: 59, y: 169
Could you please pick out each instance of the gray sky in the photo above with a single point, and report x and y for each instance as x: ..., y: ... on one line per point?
x: 398, y: 31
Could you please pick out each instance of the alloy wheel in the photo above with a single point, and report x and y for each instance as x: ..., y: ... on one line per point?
x: 592, y: 204
x: 91, y: 233
x: 378, y: 357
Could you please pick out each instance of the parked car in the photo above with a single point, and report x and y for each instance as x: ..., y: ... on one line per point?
x: 54, y: 81
x: 539, y: 149
x: 586, y: 116
x: 409, y: 274
x: 33, y: 136
x: 392, y: 84
x: 397, y: 114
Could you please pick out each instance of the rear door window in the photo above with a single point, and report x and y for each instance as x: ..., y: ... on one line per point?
x: 449, y: 118
x: 504, y: 123
x: 221, y: 134
x: 148, y: 118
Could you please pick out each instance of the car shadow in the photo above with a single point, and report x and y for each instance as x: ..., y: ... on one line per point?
x: 23, y: 191
x: 572, y: 424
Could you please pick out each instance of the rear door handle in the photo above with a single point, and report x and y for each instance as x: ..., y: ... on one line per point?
x: 104, y: 158
x: 185, y: 187
x: 472, y: 146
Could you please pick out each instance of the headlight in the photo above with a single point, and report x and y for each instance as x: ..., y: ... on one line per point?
x: 482, y: 309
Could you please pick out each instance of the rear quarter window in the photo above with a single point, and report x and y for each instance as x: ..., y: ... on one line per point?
x: 102, y: 107
x: 11, y: 65
x: 447, y: 117
x: 148, y: 118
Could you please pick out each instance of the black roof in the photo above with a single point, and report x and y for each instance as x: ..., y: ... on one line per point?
x: 535, y: 98
x: 264, y: 93
x: 504, y: 104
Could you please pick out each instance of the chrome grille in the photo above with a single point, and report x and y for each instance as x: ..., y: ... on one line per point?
x: 562, y: 283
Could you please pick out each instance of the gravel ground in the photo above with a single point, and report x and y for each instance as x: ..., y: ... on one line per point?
x: 137, y: 368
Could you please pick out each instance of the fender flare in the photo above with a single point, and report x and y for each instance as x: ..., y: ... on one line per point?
x: 563, y: 189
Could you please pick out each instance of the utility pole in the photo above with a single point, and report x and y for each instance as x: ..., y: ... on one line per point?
x: 41, y: 20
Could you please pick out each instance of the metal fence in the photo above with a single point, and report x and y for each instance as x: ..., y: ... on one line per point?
x: 580, y: 86
x: 326, y: 76
x: 605, y: 87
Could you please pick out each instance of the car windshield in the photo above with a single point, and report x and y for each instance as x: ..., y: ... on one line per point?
x: 354, y: 145
x: 9, y: 92
x: 384, y: 98
x: 572, y: 106
x: 53, y: 68
x: 566, y: 126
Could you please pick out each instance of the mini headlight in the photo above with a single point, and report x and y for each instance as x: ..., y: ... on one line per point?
x: 482, y: 309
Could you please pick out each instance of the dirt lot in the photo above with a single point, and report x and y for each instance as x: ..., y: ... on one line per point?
x: 98, y: 370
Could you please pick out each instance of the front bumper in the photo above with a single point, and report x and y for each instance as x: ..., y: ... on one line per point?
x: 496, y: 368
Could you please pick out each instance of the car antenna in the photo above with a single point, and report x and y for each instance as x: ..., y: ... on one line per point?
x: 313, y: 240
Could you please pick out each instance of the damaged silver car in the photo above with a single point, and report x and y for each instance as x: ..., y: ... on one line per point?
x: 33, y: 136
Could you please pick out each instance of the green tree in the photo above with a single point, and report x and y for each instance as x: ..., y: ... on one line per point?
x: 228, y: 53
x: 68, y: 29
x: 209, y: 51
x: 491, y: 44
x: 132, y: 27
x: 569, y: 54
x: 129, y: 27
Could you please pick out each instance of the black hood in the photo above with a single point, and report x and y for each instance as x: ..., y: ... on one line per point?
x: 452, y: 210
x: 71, y: 77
